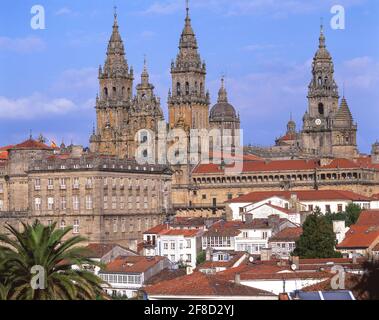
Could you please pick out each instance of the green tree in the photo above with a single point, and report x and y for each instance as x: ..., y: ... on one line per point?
x: 201, y: 257
x: 353, y: 212
x: 318, y: 239
x: 44, y: 247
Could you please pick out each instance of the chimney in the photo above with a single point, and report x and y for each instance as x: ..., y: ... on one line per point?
x: 208, y: 254
x: 189, y: 270
x: 273, y: 220
x: 266, y: 254
x: 296, y: 261
x: 237, y: 278
x: 248, y: 217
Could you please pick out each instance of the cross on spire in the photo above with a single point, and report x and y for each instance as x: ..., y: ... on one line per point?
x: 187, y: 7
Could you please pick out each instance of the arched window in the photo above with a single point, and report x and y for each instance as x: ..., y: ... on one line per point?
x: 187, y: 88
x: 128, y: 92
x: 321, y: 108
x: 320, y: 81
x: 201, y: 88
x: 123, y: 92
x: 178, y: 89
x: 106, y: 92
x: 196, y: 84
x: 114, y: 91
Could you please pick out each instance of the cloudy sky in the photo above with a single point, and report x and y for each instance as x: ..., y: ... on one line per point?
x: 48, y: 78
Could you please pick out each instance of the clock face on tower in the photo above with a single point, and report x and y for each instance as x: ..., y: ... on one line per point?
x: 318, y: 122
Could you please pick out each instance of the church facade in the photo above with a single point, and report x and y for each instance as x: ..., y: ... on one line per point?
x: 314, y: 157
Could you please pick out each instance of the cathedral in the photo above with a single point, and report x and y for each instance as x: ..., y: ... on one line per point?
x: 123, y: 115
x: 326, y: 142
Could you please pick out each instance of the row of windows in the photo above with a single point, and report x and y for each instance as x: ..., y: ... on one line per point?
x: 173, y: 245
x: 51, y: 203
x: 132, y: 202
x: 123, y: 279
x: 216, y: 241
x: 62, y: 225
x: 147, y: 224
x: 172, y: 258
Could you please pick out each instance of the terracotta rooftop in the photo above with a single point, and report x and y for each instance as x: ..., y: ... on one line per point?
x: 131, y: 264
x: 200, y: 284
x: 351, y: 282
x: 270, y: 271
x: 360, y: 236
x: 224, y: 229
x: 369, y: 218
x: 31, y: 144
x: 165, y: 275
x: 99, y: 250
x: 290, y: 165
x: 288, y: 234
x: 288, y: 137
x: 302, y: 195
x: 222, y: 264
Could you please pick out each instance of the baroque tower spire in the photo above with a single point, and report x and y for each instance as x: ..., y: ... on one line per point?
x: 189, y: 98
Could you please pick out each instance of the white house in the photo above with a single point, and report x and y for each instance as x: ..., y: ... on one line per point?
x: 180, y: 246
x: 297, y: 201
x: 126, y: 275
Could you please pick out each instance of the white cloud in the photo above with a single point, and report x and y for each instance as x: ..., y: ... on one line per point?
x: 77, y: 79
x: 148, y: 34
x: 22, y: 45
x: 65, y: 11
x: 38, y: 106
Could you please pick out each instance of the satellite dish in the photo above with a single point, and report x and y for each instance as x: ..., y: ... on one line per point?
x: 293, y: 267
x: 251, y: 259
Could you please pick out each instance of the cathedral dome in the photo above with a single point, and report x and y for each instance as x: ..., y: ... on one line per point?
x: 223, y: 110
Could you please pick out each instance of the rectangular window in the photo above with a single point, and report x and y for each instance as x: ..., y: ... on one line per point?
x: 123, y: 225
x: 114, y: 203
x: 327, y: 209
x: 63, y: 203
x: 130, y: 203
x: 37, y: 204
x: 264, y: 235
x: 188, y: 243
x: 89, y: 205
x: 76, y: 226
x: 340, y: 208
x: 115, y: 225
x: 137, y: 202
x: 165, y: 245
x: 310, y: 207
x: 105, y: 202
x: 76, y: 183
x: 75, y: 203
x: 1, y: 188
x: 172, y: 258
x: 50, y: 204
x: 1, y: 205
x: 62, y: 182
x: 89, y: 183
x: 105, y: 182
x: 50, y: 184
x: 37, y: 184
x: 122, y: 203
x: 172, y: 245
x: 189, y: 257
x: 145, y: 203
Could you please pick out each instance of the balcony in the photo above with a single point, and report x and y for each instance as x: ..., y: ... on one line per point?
x: 50, y: 187
x: 89, y: 186
x: 63, y: 187
x: 37, y: 188
x: 75, y: 187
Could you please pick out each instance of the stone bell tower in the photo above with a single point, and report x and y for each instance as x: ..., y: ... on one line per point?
x: 322, y: 104
x: 114, y: 100
x: 188, y: 101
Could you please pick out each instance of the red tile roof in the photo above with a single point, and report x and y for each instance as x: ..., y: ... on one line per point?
x: 4, y: 155
x: 99, y: 250
x: 302, y: 195
x: 269, y: 271
x: 157, y: 229
x: 180, y: 232
x: 236, y: 256
x: 368, y: 218
x: 288, y: 137
x: 288, y: 234
x: 200, y: 284
x: 132, y: 264
x: 360, y: 237
x: 224, y: 229
x: 165, y: 275
x: 290, y: 165
x: 31, y: 145
x: 261, y: 166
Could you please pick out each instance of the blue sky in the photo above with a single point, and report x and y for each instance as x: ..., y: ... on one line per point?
x: 48, y: 78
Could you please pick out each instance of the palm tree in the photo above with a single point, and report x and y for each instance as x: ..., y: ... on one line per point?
x: 40, y: 252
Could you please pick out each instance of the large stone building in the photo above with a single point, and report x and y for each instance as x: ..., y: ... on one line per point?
x: 104, y: 198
